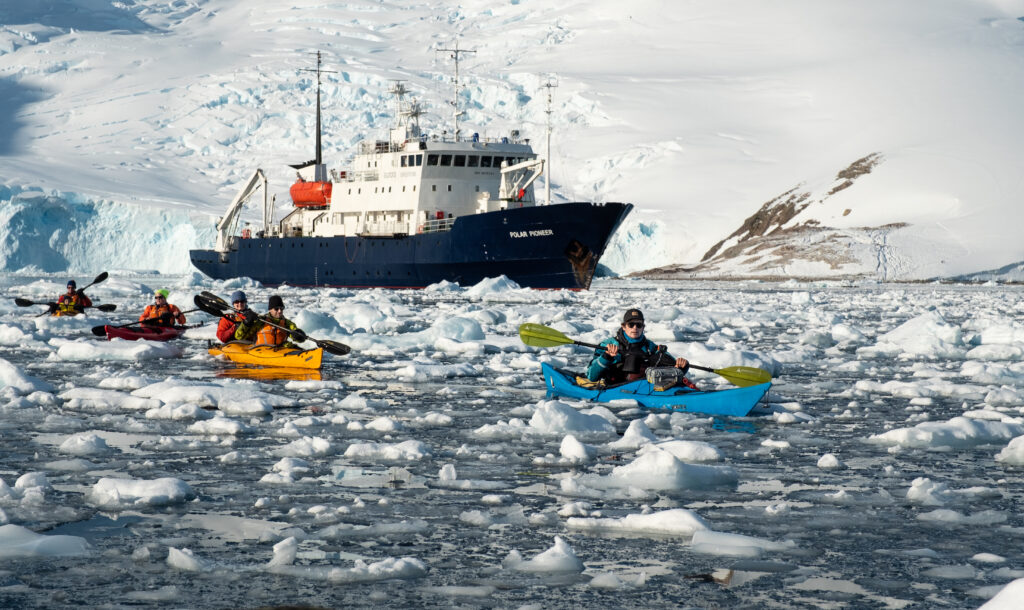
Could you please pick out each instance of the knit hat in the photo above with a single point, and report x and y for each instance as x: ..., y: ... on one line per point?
x: 274, y: 302
x: 72, y: 284
x: 163, y: 292
x: 238, y: 296
x: 633, y: 315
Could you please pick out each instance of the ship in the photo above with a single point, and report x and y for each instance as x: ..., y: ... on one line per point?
x: 413, y: 210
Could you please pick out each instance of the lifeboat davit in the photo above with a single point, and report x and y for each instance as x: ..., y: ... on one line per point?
x: 311, y: 194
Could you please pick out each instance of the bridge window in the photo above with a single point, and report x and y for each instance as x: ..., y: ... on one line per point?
x: 419, y: 160
x: 446, y: 160
x: 431, y: 159
x: 459, y: 161
x: 472, y: 161
x: 485, y: 161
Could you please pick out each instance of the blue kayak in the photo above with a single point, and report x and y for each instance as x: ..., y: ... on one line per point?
x: 736, y: 402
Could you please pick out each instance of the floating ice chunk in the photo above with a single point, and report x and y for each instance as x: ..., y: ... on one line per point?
x: 575, y: 451
x: 12, y: 377
x: 218, y: 426
x: 928, y: 335
x: 117, y: 349
x: 100, y: 399
x: 988, y: 558
x: 735, y: 545
x: 492, y: 286
x: 928, y: 493
x: 844, y: 333
x: 404, y: 451
x: 17, y: 541
x: 1013, y: 453
x: 180, y: 412
x: 307, y: 446
x: 959, y: 432
x: 658, y: 469
x: 114, y: 494
x: 945, y: 515
x: 33, y: 480
x: 84, y: 444
x: 638, y: 433
x: 829, y: 461
x: 672, y: 522
x: 185, y: 559
x: 358, y: 402
x: 426, y: 372
x: 1008, y: 598
x: 686, y: 451
x: 558, y: 558
x: 284, y: 552
x: 449, y: 479
x: 555, y: 418
x: 385, y: 424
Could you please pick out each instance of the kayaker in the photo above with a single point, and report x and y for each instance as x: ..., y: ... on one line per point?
x: 161, y: 312
x: 627, y: 355
x: 73, y: 301
x: 265, y: 331
x: 230, y: 322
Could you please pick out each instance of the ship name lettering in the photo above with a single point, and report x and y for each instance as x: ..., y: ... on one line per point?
x: 533, y: 233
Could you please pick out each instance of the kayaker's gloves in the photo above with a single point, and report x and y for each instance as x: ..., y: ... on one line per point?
x: 250, y: 317
x: 298, y: 335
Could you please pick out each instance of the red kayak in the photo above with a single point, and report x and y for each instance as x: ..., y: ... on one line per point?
x: 149, y: 333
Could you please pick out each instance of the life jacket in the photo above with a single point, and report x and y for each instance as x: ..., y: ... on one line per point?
x: 636, y: 358
x: 158, y: 311
x: 72, y: 303
x: 271, y: 335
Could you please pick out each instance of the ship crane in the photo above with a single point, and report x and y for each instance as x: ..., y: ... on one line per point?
x: 515, y: 180
x: 228, y: 223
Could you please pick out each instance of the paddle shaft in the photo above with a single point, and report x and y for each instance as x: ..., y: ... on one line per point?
x: 101, y: 330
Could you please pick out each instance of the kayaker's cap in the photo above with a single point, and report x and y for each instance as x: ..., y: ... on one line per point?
x: 633, y: 315
x: 238, y: 297
x: 72, y: 284
x: 275, y: 302
x: 163, y: 292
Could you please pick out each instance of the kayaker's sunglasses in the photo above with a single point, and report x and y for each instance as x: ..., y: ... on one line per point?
x: 277, y: 309
x: 159, y: 297
x: 634, y: 324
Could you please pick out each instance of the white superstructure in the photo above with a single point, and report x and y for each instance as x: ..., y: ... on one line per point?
x: 412, y: 183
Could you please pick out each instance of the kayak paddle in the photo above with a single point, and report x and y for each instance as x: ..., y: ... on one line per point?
x: 101, y: 330
x: 536, y: 335
x: 20, y: 302
x: 216, y: 306
x: 107, y: 307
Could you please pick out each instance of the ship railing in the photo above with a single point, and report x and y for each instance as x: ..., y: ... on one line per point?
x: 435, y: 225
x: 389, y: 229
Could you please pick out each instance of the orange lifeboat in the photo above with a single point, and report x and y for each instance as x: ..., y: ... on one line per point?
x: 311, y: 194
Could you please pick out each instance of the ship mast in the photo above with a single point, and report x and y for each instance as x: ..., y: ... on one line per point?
x: 455, y: 101
x: 319, y: 152
x: 551, y: 84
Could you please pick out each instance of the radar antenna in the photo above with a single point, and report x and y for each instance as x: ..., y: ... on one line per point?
x: 551, y: 84
x: 455, y: 101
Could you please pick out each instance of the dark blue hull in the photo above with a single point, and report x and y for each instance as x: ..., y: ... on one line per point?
x: 555, y: 246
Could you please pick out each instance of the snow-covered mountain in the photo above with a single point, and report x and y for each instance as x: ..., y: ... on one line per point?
x: 128, y: 126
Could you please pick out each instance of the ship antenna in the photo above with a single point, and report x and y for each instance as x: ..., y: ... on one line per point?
x: 551, y: 84
x: 455, y: 102
x: 319, y: 152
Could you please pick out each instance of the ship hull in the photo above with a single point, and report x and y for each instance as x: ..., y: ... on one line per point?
x: 555, y: 246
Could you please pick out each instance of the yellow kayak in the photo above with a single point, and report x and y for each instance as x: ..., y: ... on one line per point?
x: 266, y: 355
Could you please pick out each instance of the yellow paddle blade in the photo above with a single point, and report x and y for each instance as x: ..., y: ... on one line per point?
x: 536, y: 335
x: 744, y: 376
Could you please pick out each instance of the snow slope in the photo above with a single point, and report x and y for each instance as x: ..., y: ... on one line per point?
x: 141, y: 116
